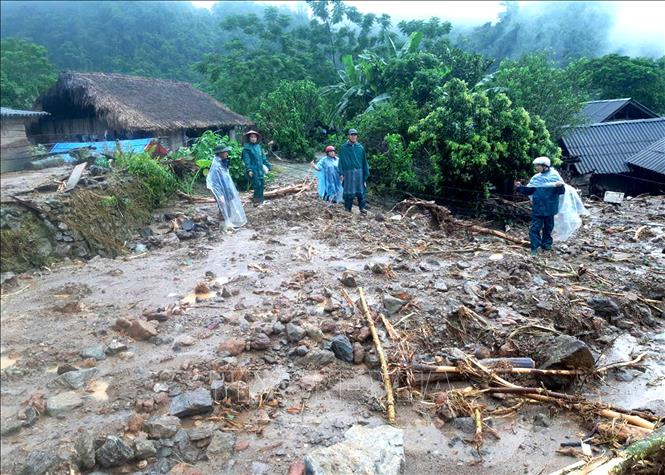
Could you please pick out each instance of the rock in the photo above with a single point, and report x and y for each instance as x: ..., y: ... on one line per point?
x: 260, y: 342
x: 655, y: 406
x: 188, y: 225
x: 362, y: 334
x: 358, y: 353
x: 200, y: 433
x: 440, y: 285
x: 97, y: 352
x: 162, y: 427
x: 314, y: 333
x: 217, y: 390
x: 565, y: 351
x: 66, y: 368
x: 310, y: 382
x: 392, y: 305
x: 122, y: 324
x: 328, y: 326
x: 141, y: 330
x: 348, y: 280
x: 259, y: 468
x: 278, y: 328
x: 238, y: 392
x: 297, y: 468
x: 76, y: 379
x: 541, y: 419
x: 89, y: 363
x: 226, y: 293
x: 62, y: 403
x: 183, y: 448
x: 221, y: 445
x: 603, y: 306
x: 241, y: 445
x: 144, y: 448
x: 115, y: 347
x: 465, y: 424
x: 11, y: 426
x: 301, y: 350
x: 294, y: 333
x: 135, y: 423
x: 85, y: 450
x: 626, y: 375
x: 7, y: 278
x: 113, y: 452
x: 341, y: 346
x: 140, y: 248
x: 379, y: 451
x: 39, y: 463
x: 191, y: 403
x: 186, y: 341
x: 318, y: 358
x: 231, y: 347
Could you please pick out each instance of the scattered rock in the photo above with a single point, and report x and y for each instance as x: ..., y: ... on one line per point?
x: 238, y: 392
x: 115, y: 347
x: 113, y: 452
x: 241, y: 445
x: 318, y: 358
x: 465, y: 424
x: 85, y: 450
x: 392, y: 305
x: 278, y: 328
x: 379, y: 451
x: 603, y: 306
x: 231, y: 347
x: 294, y: 333
x: 260, y: 342
x: 297, y: 468
x: 310, y: 382
x: 141, y: 330
x: 191, y: 403
x: 565, y: 351
x: 97, y: 352
x: 63, y: 403
x: 217, y: 390
x: 362, y: 334
x: 259, y: 468
x: 328, y: 326
x: 541, y: 419
x: 221, y: 444
x: 358, y: 353
x: 122, y: 324
x: 135, y: 423
x: 348, y: 280
x: 440, y: 285
x: 11, y: 426
x: 186, y: 341
x: 38, y: 463
x: 144, y: 448
x: 342, y: 348
x: 65, y: 368
x: 162, y: 427
x: 76, y: 379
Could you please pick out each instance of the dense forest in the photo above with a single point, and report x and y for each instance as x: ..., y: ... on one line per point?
x: 437, y: 106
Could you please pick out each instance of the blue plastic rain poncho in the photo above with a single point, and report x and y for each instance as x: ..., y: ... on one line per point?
x: 565, y: 204
x: 327, y: 175
x: 228, y: 200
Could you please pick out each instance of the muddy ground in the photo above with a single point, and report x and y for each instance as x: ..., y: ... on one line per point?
x: 285, y: 267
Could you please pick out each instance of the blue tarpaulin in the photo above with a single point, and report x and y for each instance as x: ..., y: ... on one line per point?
x: 137, y: 145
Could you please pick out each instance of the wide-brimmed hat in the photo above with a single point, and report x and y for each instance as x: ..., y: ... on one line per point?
x: 249, y: 132
x: 353, y: 132
x: 221, y: 148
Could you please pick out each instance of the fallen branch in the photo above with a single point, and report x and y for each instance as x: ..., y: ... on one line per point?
x: 392, y: 333
x: 287, y: 190
x: 478, y: 436
x: 382, y: 358
x: 194, y: 199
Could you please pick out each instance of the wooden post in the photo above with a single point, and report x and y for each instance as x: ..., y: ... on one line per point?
x: 382, y: 358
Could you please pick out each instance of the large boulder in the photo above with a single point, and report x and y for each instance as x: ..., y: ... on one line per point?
x: 565, y: 351
x: 114, y: 452
x: 191, y: 403
x: 377, y: 451
x: 162, y: 427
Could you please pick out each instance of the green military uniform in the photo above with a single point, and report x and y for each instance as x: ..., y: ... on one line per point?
x: 254, y: 159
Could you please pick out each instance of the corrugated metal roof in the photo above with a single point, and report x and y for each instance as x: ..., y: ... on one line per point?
x: 605, y: 148
x: 651, y: 158
x: 598, y: 111
x: 7, y: 112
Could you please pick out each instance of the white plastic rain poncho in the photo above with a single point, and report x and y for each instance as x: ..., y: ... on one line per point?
x: 567, y: 221
x: 228, y: 200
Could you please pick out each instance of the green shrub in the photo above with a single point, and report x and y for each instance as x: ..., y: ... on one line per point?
x: 160, y: 182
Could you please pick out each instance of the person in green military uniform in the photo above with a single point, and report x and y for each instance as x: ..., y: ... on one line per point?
x: 256, y: 164
x: 354, y: 171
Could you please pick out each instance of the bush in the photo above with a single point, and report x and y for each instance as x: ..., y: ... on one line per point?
x: 394, y: 168
x: 291, y: 115
x: 160, y: 182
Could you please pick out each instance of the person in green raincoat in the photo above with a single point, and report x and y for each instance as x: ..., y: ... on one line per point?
x: 354, y: 171
x: 256, y: 164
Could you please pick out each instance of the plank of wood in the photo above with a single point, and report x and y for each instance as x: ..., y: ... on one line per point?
x: 75, y: 176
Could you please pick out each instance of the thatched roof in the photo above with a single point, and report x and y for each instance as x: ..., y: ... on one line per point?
x: 137, y: 103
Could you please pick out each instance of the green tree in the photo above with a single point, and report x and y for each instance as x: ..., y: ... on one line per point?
x: 543, y: 89
x: 25, y: 72
x: 613, y: 76
x: 290, y: 115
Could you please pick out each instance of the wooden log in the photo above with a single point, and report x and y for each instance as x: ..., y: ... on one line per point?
x: 382, y: 358
x: 287, y: 190
x: 622, y: 432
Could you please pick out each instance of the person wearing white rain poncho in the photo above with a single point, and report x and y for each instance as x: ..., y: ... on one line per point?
x: 555, y: 207
x: 327, y: 174
x: 220, y: 183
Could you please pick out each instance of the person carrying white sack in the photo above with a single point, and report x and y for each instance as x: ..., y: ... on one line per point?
x: 555, y: 206
x: 219, y: 181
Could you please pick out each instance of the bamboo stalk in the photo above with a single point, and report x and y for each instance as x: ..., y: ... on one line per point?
x: 392, y: 333
x: 478, y: 436
x: 382, y: 358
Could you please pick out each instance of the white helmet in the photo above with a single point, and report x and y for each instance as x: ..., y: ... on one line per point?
x: 542, y: 161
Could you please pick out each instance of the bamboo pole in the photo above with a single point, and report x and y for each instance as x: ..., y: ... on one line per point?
x: 382, y: 358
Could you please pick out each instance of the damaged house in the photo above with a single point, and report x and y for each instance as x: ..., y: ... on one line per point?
x: 15, y: 148
x: 107, y: 106
x: 620, y: 149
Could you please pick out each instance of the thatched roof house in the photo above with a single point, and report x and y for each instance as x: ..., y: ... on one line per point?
x: 107, y: 106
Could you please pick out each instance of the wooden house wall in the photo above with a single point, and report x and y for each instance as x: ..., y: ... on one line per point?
x: 15, y: 149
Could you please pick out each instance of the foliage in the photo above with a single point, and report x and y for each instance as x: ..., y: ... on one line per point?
x: 474, y: 141
x: 159, y: 181
x: 543, y: 89
x: 391, y: 117
x: 291, y: 116
x: 614, y: 76
x: 394, y: 167
x: 25, y: 72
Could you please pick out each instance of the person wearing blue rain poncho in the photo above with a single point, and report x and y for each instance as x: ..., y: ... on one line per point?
x: 327, y: 174
x: 543, y: 190
x: 226, y: 195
